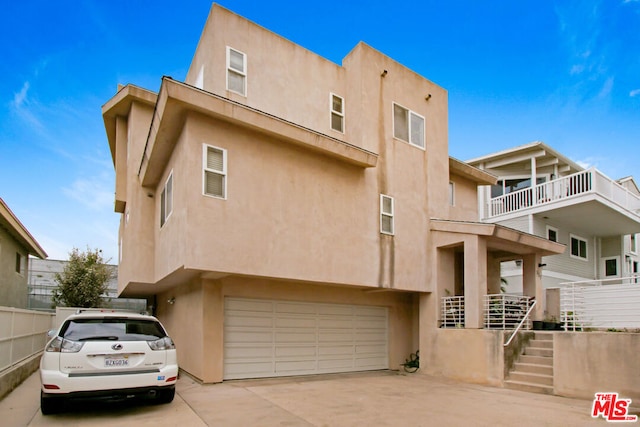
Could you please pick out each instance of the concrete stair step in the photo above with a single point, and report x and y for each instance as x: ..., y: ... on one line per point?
x: 533, y: 368
x: 536, y: 360
x: 531, y: 378
x: 541, y: 343
x: 536, y: 351
x: 528, y: 387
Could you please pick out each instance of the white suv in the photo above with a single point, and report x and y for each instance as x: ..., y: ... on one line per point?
x: 110, y: 356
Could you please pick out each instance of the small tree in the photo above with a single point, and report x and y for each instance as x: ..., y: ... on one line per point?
x: 83, y: 280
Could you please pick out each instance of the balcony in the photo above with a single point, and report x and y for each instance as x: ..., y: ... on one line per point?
x: 587, y: 199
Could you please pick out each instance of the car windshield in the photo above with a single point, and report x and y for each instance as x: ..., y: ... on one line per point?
x: 112, y: 329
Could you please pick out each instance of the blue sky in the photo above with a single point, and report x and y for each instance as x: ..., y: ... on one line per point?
x: 563, y: 72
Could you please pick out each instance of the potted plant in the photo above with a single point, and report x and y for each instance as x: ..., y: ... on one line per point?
x: 550, y: 323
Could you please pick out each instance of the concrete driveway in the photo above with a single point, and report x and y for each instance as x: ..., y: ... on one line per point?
x: 363, y: 399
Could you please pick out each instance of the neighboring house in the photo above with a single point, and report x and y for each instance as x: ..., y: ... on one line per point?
x: 42, y: 282
x: 291, y: 216
x: 542, y: 192
x: 16, y: 244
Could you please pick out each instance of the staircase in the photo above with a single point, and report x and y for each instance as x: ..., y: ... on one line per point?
x: 533, y: 372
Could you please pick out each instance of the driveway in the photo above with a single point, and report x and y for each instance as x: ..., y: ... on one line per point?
x: 363, y: 399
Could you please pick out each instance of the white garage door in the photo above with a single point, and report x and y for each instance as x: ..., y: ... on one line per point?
x: 265, y: 338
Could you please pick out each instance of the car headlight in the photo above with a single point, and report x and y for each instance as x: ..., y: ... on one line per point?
x: 162, y: 344
x: 60, y: 345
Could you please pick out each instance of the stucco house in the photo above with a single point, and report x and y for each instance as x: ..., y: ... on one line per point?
x: 542, y: 192
x: 287, y: 215
x: 16, y: 244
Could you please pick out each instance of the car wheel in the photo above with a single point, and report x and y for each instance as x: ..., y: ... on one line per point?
x: 49, y: 406
x: 166, y: 396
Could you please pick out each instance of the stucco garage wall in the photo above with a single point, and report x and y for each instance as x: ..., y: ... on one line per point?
x: 195, y: 319
x: 590, y: 362
x: 469, y: 355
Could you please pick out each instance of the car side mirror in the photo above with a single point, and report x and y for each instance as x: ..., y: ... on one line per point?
x: 51, y: 333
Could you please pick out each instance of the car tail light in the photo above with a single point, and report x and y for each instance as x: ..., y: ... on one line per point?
x: 162, y: 344
x: 60, y: 345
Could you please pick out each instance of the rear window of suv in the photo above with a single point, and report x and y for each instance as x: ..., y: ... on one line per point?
x: 112, y: 329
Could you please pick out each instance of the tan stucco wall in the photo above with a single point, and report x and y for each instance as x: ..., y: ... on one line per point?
x: 469, y: 355
x: 196, y: 318
x: 588, y: 362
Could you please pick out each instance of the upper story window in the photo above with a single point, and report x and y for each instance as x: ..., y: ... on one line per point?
x: 386, y: 214
x: 337, y: 113
x: 552, y: 233
x: 633, y: 245
x: 166, y: 200
x: 215, y: 171
x: 578, y: 247
x: 236, y: 71
x: 408, y: 126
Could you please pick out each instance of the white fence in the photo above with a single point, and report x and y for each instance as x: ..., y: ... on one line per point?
x: 22, y: 334
x: 600, y: 305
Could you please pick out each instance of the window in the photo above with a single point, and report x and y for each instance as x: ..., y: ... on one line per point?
x: 578, y: 247
x: 236, y: 71
x: 21, y: 262
x: 215, y: 172
x: 633, y: 248
x: 611, y: 266
x: 552, y: 233
x: 386, y: 214
x: 452, y: 195
x: 337, y: 113
x: 166, y: 200
x: 408, y: 126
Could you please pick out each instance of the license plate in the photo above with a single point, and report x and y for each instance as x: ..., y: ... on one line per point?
x: 116, y: 362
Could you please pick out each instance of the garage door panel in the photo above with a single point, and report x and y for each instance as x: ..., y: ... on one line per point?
x: 248, y: 353
x: 232, y: 336
x: 247, y: 369
x: 292, y: 308
x: 295, y: 322
x: 295, y: 367
x: 335, y: 336
x: 249, y: 321
x: 335, y: 309
x: 338, y: 322
x: 276, y: 338
x: 296, y: 351
x: 292, y: 337
x: 254, y: 306
x: 369, y: 362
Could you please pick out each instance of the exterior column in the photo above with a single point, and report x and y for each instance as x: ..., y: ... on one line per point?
x: 212, y: 333
x: 532, y: 283
x: 475, y: 281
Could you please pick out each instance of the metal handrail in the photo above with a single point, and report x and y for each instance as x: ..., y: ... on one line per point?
x: 515, y: 331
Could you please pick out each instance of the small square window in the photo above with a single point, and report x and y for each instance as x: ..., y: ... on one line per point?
x: 408, y: 126
x: 611, y: 267
x: 552, y: 234
x: 386, y: 214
